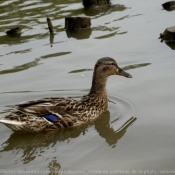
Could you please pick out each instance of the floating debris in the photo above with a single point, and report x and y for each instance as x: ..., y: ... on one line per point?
x: 14, y: 33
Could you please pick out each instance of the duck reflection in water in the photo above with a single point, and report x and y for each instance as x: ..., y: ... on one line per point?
x: 29, y: 143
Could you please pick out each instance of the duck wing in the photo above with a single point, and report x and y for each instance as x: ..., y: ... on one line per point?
x: 45, y: 106
x: 42, y: 115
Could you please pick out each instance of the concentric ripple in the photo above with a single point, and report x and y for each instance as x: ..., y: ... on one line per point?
x: 121, y: 112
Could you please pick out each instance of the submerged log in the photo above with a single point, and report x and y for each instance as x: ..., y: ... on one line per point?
x: 14, y: 33
x: 95, y: 3
x: 169, y: 5
x: 50, y: 26
x: 77, y: 23
x: 168, y: 35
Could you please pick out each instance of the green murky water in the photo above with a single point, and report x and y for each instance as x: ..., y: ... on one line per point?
x: 136, y: 134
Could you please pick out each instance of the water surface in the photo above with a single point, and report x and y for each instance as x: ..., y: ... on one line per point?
x: 136, y: 134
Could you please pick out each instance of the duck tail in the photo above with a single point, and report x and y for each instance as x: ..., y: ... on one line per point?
x: 12, y: 124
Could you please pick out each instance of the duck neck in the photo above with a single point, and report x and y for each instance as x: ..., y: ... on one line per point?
x: 98, y: 85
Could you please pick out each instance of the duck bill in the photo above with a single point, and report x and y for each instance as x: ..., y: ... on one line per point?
x: 123, y: 73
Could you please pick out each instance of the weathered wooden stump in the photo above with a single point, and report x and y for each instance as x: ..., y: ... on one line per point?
x: 79, y: 34
x: 50, y: 26
x: 95, y: 3
x: 169, y: 5
x: 168, y: 35
x: 77, y: 23
x: 14, y: 33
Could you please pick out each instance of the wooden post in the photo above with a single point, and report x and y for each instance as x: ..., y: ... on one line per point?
x: 95, y: 3
x: 50, y: 26
x: 77, y: 23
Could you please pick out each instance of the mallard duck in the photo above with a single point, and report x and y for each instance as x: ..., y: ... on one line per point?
x: 57, y: 112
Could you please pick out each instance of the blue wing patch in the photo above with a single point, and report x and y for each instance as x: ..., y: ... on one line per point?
x: 50, y: 117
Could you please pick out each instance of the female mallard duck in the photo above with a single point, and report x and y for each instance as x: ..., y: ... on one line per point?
x: 55, y: 113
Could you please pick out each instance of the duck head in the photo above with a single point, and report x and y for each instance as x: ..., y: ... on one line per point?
x: 103, y: 69
x: 108, y: 66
